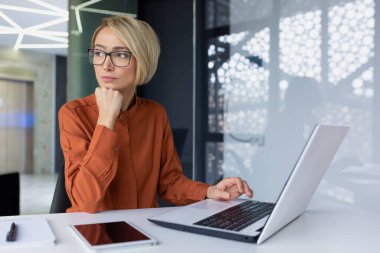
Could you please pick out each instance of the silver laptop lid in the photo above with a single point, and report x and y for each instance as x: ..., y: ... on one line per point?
x: 305, y: 177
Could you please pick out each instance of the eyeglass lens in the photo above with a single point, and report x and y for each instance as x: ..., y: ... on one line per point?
x: 118, y: 58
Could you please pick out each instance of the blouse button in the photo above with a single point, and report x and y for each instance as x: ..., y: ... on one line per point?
x: 122, y: 117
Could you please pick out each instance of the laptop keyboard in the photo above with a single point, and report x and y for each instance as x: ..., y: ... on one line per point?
x: 238, y: 217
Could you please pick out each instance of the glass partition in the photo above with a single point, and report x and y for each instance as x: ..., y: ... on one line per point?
x: 276, y: 68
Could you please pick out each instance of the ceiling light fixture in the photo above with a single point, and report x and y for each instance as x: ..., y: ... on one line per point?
x: 30, y: 10
x: 65, y: 45
x: 9, y: 21
x: 51, y: 7
x: 83, y: 7
x: 59, y: 16
x: 77, y: 15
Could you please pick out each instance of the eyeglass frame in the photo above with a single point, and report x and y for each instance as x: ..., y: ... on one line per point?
x: 110, y: 55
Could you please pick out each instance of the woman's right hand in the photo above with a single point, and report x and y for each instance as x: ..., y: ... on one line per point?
x: 109, y: 102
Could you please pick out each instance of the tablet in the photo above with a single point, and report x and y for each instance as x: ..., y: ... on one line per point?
x: 118, y: 234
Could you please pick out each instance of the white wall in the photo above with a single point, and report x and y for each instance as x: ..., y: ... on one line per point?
x: 40, y: 69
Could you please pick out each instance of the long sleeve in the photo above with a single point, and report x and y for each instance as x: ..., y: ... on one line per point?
x: 90, y: 161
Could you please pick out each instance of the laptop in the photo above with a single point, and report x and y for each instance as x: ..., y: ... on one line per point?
x: 253, y: 221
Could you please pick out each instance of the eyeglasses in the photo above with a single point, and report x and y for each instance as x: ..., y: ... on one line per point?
x: 118, y: 58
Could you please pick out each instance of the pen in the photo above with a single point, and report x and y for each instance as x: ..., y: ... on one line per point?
x: 11, y: 235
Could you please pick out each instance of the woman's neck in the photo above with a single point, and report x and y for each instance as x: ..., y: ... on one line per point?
x: 128, y: 100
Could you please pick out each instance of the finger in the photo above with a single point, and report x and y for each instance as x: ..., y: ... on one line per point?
x: 230, y: 182
x: 219, y: 194
x: 247, y: 190
x: 225, y: 183
x: 239, y: 184
x: 100, y: 88
x: 234, y: 193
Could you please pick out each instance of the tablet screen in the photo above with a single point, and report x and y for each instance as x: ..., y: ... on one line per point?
x: 110, y: 233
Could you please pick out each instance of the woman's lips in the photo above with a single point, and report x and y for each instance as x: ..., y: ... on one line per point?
x: 108, y: 79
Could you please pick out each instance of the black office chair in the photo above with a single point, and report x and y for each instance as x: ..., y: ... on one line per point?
x: 10, y: 194
x: 60, y: 199
x: 179, y: 138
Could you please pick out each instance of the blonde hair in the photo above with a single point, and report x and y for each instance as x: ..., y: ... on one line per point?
x: 141, y: 40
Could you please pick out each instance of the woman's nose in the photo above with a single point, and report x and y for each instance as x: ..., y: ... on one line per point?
x: 107, y: 64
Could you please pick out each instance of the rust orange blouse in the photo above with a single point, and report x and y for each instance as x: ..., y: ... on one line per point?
x: 122, y: 168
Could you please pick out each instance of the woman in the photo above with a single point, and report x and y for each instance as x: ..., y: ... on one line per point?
x: 118, y: 147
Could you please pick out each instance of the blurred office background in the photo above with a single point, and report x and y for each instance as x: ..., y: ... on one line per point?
x: 244, y: 80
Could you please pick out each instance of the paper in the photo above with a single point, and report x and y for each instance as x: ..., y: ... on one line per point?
x: 30, y: 232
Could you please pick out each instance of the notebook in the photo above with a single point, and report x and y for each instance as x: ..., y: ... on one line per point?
x: 31, y: 232
x: 252, y: 221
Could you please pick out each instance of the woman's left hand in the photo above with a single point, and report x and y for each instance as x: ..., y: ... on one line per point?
x: 229, y: 189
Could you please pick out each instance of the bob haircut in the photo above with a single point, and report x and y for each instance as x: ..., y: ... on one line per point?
x: 141, y: 40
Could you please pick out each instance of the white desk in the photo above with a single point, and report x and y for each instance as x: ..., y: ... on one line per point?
x: 327, y: 226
